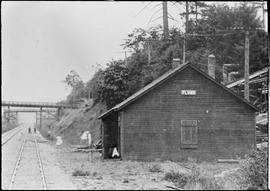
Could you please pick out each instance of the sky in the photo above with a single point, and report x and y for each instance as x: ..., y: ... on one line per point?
x: 43, y: 41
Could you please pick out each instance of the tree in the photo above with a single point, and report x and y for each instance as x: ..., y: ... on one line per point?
x: 162, y: 51
x: 93, y: 86
x: 74, y: 81
x: 113, y: 85
x: 228, y: 45
x: 121, y: 79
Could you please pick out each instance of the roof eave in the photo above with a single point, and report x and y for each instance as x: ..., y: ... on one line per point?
x: 119, y: 106
x: 224, y: 87
x: 105, y: 114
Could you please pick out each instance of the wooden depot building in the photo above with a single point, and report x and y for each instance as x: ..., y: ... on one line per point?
x: 184, y: 113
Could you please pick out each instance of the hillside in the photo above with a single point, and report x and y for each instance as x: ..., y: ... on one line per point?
x: 7, y: 126
x: 74, y: 122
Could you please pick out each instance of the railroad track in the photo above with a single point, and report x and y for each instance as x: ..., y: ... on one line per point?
x: 28, y: 172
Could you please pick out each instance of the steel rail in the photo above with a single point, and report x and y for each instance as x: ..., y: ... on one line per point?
x: 44, y: 185
x: 17, y: 165
x: 41, y: 167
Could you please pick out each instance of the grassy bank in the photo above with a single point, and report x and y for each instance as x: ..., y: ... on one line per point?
x: 46, y: 130
x: 74, y: 122
x: 6, y: 127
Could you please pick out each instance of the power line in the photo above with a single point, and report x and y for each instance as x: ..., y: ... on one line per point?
x: 231, y: 30
x: 154, y: 14
x: 156, y: 6
x: 217, y: 34
x: 155, y: 19
x: 171, y: 17
x: 142, y: 9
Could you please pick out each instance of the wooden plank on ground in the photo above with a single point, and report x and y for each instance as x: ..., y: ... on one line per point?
x: 227, y: 161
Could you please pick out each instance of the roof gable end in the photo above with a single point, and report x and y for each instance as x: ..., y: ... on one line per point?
x: 164, y: 78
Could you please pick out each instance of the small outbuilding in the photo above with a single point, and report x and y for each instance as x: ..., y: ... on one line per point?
x: 184, y: 113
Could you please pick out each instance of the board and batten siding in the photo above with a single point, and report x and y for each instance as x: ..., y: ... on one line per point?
x: 152, y: 123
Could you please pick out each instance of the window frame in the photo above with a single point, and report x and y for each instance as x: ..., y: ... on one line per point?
x: 190, y: 125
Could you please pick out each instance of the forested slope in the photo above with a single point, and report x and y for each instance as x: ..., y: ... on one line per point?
x: 215, y: 31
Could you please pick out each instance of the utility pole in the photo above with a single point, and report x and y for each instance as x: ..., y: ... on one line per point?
x: 246, y: 91
x: 196, y: 13
x: 149, y: 51
x: 89, y: 93
x: 260, y: 4
x: 126, y: 58
x: 186, y: 31
x: 263, y: 14
x: 268, y: 50
x: 165, y: 19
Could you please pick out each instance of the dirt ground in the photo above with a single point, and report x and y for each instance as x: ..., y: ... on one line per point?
x: 111, y: 174
x: 120, y: 175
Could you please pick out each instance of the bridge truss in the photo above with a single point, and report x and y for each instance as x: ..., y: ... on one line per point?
x: 43, y: 110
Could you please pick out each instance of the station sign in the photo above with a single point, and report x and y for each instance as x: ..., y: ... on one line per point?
x: 188, y: 92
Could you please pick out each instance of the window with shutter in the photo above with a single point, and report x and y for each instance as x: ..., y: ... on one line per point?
x: 189, y: 134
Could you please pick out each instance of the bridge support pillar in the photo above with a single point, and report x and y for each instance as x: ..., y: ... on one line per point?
x: 36, y: 118
x: 8, y: 112
x: 16, y: 120
x: 59, y: 113
x: 6, y: 116
x: 40, y: 119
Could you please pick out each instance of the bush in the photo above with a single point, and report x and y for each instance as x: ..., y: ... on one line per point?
x: 179, y: 179
x: 155, y: 168
x: 46, y: 133
x: 79, y: 172
x: 255, y: 168
x: 209, y: 183
x: 200, y: 180
x: 194, y: 181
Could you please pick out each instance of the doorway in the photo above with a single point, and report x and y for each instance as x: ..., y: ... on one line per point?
x: 111, y: 136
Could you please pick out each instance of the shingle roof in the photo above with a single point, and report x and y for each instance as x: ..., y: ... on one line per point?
x: 163, y: 78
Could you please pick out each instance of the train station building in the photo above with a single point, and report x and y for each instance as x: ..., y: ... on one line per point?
x: 183, y: 114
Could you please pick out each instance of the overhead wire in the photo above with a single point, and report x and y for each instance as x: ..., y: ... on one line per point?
x: 142, y: 9
x: 154, y: 15
x: 156, y: 6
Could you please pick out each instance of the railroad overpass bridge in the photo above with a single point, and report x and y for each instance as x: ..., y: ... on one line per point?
x: 37, y: 104
x: 54, y: 110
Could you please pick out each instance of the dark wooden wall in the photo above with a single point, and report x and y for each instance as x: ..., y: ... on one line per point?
x: 151, y: 124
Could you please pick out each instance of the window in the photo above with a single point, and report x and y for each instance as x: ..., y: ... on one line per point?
x: 189, y: 134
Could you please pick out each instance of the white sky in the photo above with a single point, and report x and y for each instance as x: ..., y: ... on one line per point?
x: 43, y: 41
